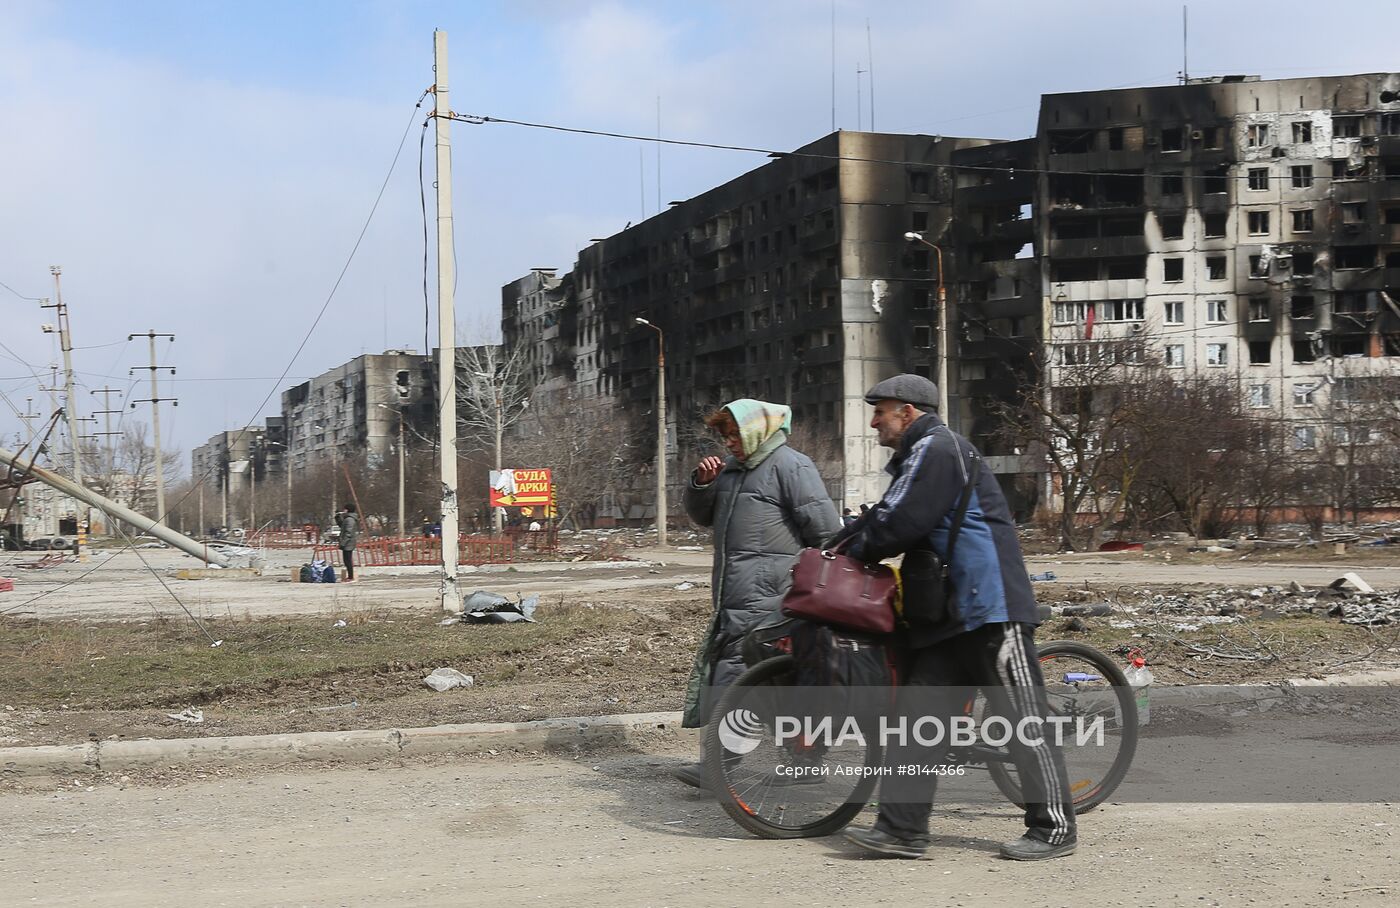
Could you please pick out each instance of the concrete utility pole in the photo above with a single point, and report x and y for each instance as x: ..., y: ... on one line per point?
x: 403, y: 528
x: 447, y: 329
x: 155, y: 418
x: 660, y: 430
x: 110, y: 466
x: 70, y: 406
x: 943, y: 339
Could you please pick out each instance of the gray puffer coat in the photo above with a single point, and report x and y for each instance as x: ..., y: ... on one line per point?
x: 762, y: 518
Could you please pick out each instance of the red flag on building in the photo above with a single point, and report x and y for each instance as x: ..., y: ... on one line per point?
x: 1089, y: 322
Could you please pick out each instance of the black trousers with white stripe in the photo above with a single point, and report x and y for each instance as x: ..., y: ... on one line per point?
x: 1001, y: 660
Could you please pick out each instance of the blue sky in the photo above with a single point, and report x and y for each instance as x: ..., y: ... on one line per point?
x: 204, y: 168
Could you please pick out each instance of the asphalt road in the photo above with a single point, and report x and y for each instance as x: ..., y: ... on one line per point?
x: 615, y: 830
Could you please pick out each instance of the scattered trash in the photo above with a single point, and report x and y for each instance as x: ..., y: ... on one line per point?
x: 189, y: 715
x: 1046, y: 575
x: 482, y: 607
x: 443, y: 679
x: 1296, y: 587
x: 6, y: 584
x: 1087, y: 611
x: 1353, y: 581
x: 690, y: 548
x: 1118, y: 545
x: 326, y: 709
x: 340, y: 623
x: 683, y: 586
x: 1216, y: 549
x: 456, y: 619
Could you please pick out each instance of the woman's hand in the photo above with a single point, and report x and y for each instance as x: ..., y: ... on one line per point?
x: 707, y: 470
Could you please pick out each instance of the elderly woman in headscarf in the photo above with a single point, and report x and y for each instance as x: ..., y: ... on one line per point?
x: 766, y: 502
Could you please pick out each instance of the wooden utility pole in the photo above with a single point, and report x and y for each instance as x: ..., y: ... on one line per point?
x: 451, y: 599
x: 155, y: 400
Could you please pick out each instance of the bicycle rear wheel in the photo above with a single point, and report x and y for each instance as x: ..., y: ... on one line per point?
x: 1083, y: 683
x: 791, y: 791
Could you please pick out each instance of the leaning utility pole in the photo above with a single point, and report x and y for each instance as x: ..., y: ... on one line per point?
x: 447, y: 328
x: 155, y: 417
x: 70, y: 406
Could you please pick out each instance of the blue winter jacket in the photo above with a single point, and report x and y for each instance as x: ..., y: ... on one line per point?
x: 989, y: 576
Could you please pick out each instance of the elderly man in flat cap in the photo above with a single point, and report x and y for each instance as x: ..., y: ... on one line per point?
x: 981, y: 636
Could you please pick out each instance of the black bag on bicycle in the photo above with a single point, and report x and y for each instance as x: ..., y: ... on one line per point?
x: 830, y: 657
x: 925, y: 579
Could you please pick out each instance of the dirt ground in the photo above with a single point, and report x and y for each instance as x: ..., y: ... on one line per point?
x: 614, y: 640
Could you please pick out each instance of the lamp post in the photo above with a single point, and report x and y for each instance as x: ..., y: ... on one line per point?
x: 942, y: 329
x: 287, y: 469
x: 399, y: 410
x: 660, y: 430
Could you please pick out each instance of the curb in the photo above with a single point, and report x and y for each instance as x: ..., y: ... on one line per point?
x: 341, y: 746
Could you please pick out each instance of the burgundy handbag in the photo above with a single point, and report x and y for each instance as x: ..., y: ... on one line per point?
x: 838, y: 590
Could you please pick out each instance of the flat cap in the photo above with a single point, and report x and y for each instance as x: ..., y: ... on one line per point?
x: 911, y: 389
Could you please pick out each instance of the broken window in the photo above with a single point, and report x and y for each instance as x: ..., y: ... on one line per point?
x: 1260, y: 352
x: 1347, y: 345
x: 918, y: 182
x: 1257, y: 268
x: 1122, y: 226
x: 918, y: 221
x: 1258, y: 223
x: 1392, y: 215
x: 1346, y: 127
x: 1216, y: 267
x: 1126, y: 269
x: 1217, y: 355
x: 1302, y: 307
x: 1302, y: 220
x: 1258, y: 178
x: 1115, y: 139
x: 1171, y: 139
x: 1073, y: 229
x: 1216, y: 179
x: 923, y: 336
x: 1303, y: 393
x: 1173, y: 270
x: 1216, y: 312
x: 1304, y: 438
x: 1257, y: 135
x: 1302, y: 132
x: 1074, y: 270
x: 919, y: 260
x: 1174, y: 355
x: 1302, y: 175
x: 1173, y: 312
x: 1216, y: 223
x: 1351, y: 302
x: 1173, y: 184
x: 1303, y: 262
x: 1210, y: 137
x: 1259, y: 309
x: 1303, y: 351
x: 1071, y: 141
x: 1121, y: 188
x: 1259, y: 396
x: 1354, y: 257
x: 1173, y: 226
x: 1354, y: 213
x: 1390, y: 124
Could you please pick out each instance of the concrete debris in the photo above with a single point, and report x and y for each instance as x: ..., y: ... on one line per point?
x: 188, y: 715
x: 683, y: 586
x: 1044, y: 575
x: 1195, y: 609
x: 1352, y: 580
x: 1085, y: 611
x: 443, y: 679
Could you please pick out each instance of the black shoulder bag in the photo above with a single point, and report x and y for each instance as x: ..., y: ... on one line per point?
x: 925, y: 580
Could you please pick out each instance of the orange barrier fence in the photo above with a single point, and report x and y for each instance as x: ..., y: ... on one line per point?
x: 390, y: 552
x: 285, y: 539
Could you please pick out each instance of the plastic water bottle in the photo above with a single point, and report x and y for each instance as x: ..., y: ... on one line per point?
x: 1140, y: 679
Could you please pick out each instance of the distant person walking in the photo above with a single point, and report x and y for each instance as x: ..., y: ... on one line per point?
x: 349, y: 522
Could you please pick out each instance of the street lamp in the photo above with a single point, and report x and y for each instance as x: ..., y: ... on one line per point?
x: 399, y: 410
x: 286, y: 468
x: 913, y: 237
x: 660, y: 429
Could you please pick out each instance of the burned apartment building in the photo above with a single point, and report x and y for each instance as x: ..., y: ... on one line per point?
x: 1227, y: 227
x: 352, y: 411
x: 794, y: 283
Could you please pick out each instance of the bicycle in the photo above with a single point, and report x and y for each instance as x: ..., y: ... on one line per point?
x: 800, y: 789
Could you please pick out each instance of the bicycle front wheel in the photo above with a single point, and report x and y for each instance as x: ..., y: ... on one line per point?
x: 1086, y: 686
x: 799, y: 789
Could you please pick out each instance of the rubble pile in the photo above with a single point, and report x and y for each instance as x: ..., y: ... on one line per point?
x: 1193, y: 609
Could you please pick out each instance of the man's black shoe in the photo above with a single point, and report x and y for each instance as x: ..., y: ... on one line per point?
x: 883, y: 842
x: 693, y: 774
x: 1029, y: 848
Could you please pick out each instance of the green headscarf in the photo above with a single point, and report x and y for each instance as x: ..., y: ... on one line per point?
x: 763, y: 428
